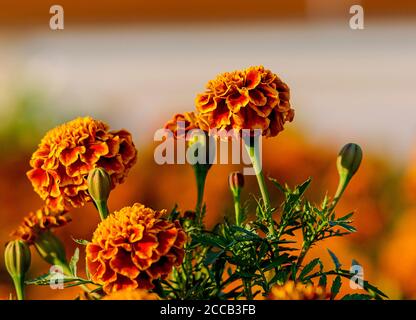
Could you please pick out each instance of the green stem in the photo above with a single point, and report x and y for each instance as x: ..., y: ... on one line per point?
x: 237, y: 209
x: 247, y: 289
x: 201, y: 172
x: 102, y: 209
x: 19, y: 285
x: 342, y: 185
x: 254, y: 157
x: 67, y: 270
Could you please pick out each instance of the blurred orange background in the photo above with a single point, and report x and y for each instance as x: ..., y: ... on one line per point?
x: 135, y: 63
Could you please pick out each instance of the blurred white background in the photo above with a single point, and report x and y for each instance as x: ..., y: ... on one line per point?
x: 347, y: 85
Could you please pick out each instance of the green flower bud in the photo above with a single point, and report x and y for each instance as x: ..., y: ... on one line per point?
x: 349, y: 160
x: 17, y: 259
x: 236, y: 182
x: 51, y: 249
x: 99, y: 184
x: 99, y: 187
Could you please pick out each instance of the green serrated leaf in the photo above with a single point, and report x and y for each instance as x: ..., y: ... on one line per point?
x: 336, y: 285
x: 344, y: 225
x: 38, y: 280
x: 210, y: 240
x: 284, y: 258
x: 212, y: 257
x: 278, y: 185
x: 323, y: 280
x: 325, y: 202
x: 372, y: 289
x: 346, y: 217
x: 308, y: 268
x: 81, y: 241
x: 334, y: 259
x: 302, y: 188
x: 249, y: 234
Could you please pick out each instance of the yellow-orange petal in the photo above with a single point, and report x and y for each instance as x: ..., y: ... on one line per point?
x: 253, y: 78
x: 237, y: 100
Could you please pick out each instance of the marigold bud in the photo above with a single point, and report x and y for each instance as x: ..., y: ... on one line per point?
x: 236, y: 181
x: 17, y: 258
x: 349, y: 160
x: 51, y: 249
x: 99, y: 184
x: 99, y: 187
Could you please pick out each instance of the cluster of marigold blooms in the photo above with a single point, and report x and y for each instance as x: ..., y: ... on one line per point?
x: 83, y: 160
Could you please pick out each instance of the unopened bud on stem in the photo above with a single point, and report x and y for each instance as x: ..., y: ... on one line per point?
x: 348, y: 162
x: 99, y: 187
x: 17, y: 259
x: 236, y: 183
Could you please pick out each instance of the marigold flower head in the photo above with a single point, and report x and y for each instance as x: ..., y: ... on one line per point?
x: 298, y: 291
x: 40, y: 221
x: 182, y: 123
x: 254, y: 98
x: 131, y: 294
x: 68, y: 152
x: 133, y: 247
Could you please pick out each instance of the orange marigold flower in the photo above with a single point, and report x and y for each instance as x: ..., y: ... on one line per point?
x: 40, y: 221
x: 68, y: 152
x: 298, y: 291
x: 133, y: 247
x: 190, y: 121
x: 131, y: 294
x: 254, y: 98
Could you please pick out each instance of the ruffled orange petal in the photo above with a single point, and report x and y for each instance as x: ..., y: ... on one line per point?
x: 144, y: 248
x: 238, y: 100
x: 253, y: 78
x: 122, y: 264
x: 205, y: 103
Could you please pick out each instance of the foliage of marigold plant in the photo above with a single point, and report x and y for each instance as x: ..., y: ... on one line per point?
x: 68, y: 152
x: 133, y: 247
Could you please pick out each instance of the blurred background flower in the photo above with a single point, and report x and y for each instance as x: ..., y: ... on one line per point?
x: 133, y: 64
